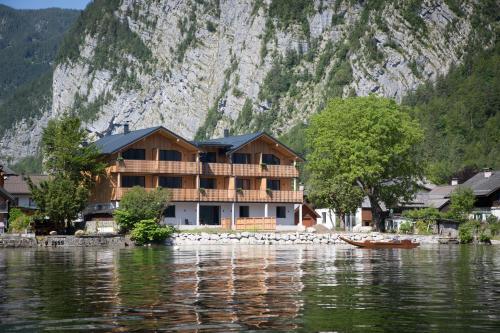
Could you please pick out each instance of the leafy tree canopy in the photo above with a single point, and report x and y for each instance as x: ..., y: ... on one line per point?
x: 462, y: 203
x: 137, y: 204
x: 369, y: 142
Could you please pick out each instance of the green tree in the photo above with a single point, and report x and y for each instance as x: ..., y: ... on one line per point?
x: 73, y: 165
x: 462, y: 203
x: 368, y: 142
x: 340, y: 196
x: 147, y: 231
x: 137, y: 205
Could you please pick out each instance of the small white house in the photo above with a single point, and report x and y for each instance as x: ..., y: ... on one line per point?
x: 329, y: 219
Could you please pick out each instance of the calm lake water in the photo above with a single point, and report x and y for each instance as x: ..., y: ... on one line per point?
x: 250, y: 288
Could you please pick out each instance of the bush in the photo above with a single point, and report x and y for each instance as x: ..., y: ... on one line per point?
x: 139, y: 204
x: 18, y: 221
x: 405, y: 227
x: 147, y: 231
x: 423, y: 227
x: 484, y: 237
x: 467, y: 231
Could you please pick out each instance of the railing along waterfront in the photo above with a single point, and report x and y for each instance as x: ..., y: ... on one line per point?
x: 208, y: 169
x: 214, y: 195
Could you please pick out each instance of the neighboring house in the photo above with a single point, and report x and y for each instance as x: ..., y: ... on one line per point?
x: 6, y: 199
x: 362, y: 217
x: 486, y: 187
x: 18, y: 187
x: 234, y: 177
x: 309, y: 215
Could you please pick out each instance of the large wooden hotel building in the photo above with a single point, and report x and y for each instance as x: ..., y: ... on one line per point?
x: 235, y: 181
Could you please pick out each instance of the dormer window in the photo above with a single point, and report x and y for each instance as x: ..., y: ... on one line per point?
x: 270, y: 159
x: 170, y: 155
x: 134, y: 154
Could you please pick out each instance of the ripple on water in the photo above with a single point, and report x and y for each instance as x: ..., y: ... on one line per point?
x: 245, y: 288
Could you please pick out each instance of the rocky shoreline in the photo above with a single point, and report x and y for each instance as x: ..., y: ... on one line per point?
x: 186, y: 238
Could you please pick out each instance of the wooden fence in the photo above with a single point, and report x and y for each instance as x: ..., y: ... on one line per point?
x: 251, y: 223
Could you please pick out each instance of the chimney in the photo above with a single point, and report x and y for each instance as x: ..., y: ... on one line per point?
x: 487, y: 172
x: 454, y: 181
x: 226, y: 132
x: 125, y: 128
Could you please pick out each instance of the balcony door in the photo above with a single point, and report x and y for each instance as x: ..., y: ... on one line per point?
x: 210, y: 215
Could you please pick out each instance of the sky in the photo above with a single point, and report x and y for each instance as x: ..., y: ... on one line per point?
x: 37, y: 4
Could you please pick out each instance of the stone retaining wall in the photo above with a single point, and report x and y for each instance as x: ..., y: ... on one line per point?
x: 29, y: 240
x: 286, y: 238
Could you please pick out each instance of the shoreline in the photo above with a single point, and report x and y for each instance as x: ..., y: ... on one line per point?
x: 203, y: 238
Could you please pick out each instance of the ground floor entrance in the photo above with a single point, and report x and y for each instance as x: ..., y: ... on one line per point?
x: 210, y: 215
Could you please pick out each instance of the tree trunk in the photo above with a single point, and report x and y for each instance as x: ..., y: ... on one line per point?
x: 376, y: 213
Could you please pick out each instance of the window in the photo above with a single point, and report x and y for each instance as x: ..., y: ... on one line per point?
x: 244, y: 184
x: 170, y: 182
x: 170, y: 155
x: 281, y: 212
x: 273, y: 184
x: 209, y: 157
x: 131, y: 181
x: 244, y: 211
x: 270, y: 159
x: 207, y: 183
x: 323, y: 217
x: 134, y: 154
x: 169, y: 211
x: 241, y: 158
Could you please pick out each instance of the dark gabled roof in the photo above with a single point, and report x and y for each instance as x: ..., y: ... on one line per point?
x: 6, y: 195
x: 482, y: 185
x: 112, y: 143
x: 233, y: 143
x: 19, y: 184
x: 6, y: 171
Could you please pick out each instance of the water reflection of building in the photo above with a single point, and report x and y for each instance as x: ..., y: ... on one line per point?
x: 251, y: 288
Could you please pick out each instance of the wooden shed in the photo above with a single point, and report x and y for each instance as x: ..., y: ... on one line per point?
x: 309, y: 215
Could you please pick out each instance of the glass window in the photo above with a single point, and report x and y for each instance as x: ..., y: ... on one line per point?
x: 323, y: 216
x: 170, y: 155
x: 207, y: 183
x: 244, y: 211
x: 134, y: 154
x: 241, y: 158
x: 243, y: 184
x: 169, y: 211
x: 170, y: 182
x: 273, y: 184
x: 131, y: 181
x: 270, y: 159
x: 281, y: 212
x: 208, y: 157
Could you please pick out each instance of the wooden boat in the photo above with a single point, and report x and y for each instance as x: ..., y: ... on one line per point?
x: 394, y: 244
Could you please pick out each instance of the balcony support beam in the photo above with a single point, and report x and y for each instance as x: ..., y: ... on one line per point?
x: 300, y: 215
x: 233, y: 216
x: 198, y: 214
x: 266, y: 210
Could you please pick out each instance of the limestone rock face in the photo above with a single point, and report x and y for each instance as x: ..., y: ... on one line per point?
x: 210, y: 58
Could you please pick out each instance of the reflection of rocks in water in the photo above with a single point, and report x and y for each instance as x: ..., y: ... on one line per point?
x: 248, y: 288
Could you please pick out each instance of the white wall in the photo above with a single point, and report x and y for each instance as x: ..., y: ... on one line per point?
x: 187, y: 210
x: 327, y: 217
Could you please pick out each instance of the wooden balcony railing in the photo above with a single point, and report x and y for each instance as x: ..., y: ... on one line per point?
x: 208, y: 169
x: 257, y: 170
x: 211, y: 195
x: 216, y: 169
x: 151, y: 166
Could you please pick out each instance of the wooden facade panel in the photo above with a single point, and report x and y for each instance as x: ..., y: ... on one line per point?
x: 162, y: 141
x: 263, y: 146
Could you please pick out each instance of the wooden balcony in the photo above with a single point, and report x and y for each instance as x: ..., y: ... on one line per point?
x: 207, y: 169
x: 151, y: 167
x: 257, y: 170
x: 211, y: 195
x: 216, y: 169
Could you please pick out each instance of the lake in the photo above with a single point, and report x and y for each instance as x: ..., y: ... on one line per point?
x: 249, y: 288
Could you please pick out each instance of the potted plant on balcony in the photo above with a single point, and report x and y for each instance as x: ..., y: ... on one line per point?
x: 263, y: 166
x: 269, y: 192
x: 120, y: 160
x: 202, y: 191
x: 239, y: 190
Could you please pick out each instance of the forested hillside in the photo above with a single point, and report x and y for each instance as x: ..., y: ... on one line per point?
x: 29, y: 40
x: 460, y: 114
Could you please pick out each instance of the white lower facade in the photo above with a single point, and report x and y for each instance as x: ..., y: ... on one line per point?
x: 329, y: 219
x: 194, y: 214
